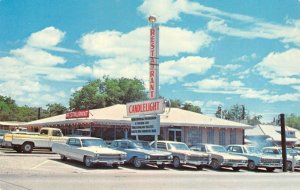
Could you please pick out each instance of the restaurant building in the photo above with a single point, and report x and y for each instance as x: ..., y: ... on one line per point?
x: 176, y: 125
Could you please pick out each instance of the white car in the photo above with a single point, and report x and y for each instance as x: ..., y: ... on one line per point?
x: 90, y: 151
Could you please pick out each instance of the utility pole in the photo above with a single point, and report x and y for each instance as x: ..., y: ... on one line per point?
x: 283, y: 142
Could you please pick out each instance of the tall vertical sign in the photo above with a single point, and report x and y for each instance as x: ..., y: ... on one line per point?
x: 153, y: 64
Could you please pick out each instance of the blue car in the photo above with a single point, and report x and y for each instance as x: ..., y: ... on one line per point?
x: 139, y: 153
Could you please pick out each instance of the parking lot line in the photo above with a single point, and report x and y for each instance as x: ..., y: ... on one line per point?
x: 40, y: 164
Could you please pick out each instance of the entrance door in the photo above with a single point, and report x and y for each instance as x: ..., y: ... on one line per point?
x: 175, y: 135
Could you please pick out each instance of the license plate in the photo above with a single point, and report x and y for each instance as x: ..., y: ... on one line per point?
x: 159, y: 162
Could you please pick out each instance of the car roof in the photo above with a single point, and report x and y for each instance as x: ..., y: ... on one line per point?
x: 168, y: 142
x: 82, y: 138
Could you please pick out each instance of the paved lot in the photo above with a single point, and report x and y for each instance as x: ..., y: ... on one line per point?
x: 44, y: 170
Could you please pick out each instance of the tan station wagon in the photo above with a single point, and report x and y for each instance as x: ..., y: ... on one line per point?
x: 182, y: 155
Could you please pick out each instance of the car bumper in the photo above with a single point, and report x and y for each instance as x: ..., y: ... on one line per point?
x: 240, y: 165
x: 108, y: 162
x: 157, y: 162
x: 270, y: 165
x: 195, y: 162
x: 6, y: 144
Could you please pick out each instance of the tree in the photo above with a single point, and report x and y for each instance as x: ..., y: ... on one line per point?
x: 255, y: 120
x: 235, y: 113
x: 56, y: 109
x: 176, y: 103
x: 106, y: 92
x: 293, y: 121
x: 7, y: 108
x: 191, y: 107
x: 219, y: 113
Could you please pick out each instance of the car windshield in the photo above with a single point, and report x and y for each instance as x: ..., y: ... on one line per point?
x: 252, y: 150
x: 142, y: 144
x: 93, y: 142
x: 290, y: 151
x: 216, y: 148
x: 179, y: 146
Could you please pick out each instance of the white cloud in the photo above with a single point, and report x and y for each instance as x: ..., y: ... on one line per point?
x: 48, y: 37
x: 36, y: 56
x: 214, y: 84
x: 245, y: 58
x: 286, y: 33
x: 135, y: 44
x: 171, y: 9
x: 223, y: 86
x: 282, y: 68
x: 171, y: 71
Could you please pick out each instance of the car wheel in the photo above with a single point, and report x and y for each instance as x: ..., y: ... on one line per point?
x: 88, y: 161
x: 236, y: 169
x: 270, y: 169
x: 161, y: 166
x: 137, y: 162
x: 176, y: 162
x: 200, y: 167
x: 289, y: 166
x: 63, y: 157
x: 115, y: 166
x: 215, y: 164
x: 27, y: 147
x: 251, y: 165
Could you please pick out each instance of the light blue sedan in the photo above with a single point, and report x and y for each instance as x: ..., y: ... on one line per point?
x: 139, y: 153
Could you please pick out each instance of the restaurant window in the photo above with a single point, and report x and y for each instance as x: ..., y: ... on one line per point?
x: 232, y: 136
x: 194, y: 135
x: 222, y: 137
x: 210, y: 136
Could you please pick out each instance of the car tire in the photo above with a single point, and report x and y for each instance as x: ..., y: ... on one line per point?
x: 215, y: 164
x: 289, y: 166
x: 236, y: 169
x: 270, y: 169
x: 176, y: 162
x: 88, y: 161
x: 251, y: 165
x: 63, y: 157
x: 199, y: 167
x: 27, y: 147
x: 161, y: 166
x: 137, y: 162
x: 115, y: 166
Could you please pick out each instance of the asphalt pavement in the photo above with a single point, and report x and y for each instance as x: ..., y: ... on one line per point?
x: 44, y: 170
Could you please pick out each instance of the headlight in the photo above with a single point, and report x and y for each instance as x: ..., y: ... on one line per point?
x: 147, y: 156
x: 123, y: 156
x: 170, y: 157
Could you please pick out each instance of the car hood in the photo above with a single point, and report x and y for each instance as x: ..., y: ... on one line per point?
x: 102, y: 150
x: 190, y: 152
x: 149, y: 152
x: 230, y: 156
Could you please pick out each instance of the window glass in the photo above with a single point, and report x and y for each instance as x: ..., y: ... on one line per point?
x: 44, y: 132
x: 210, y: 136
x: 56, y: 133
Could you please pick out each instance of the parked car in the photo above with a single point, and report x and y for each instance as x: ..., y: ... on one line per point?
x: 221, y: 158
x: 182, y: 155
x: 140, y: 153
x: 25, y: 141
x: 255, y: 157
x: 89, y: 150
x: 277, y: 151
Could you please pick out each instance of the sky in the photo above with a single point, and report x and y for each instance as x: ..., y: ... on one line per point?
x: 211, y: 52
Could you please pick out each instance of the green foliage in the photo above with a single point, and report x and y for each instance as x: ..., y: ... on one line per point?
x: 55, y: 109
x: 238, y: 113
x: 106, y: 92
x: 176, y: 103
x: 191, y: 107
x: 293, y: 121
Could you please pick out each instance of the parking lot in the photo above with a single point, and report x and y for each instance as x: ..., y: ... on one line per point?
x: 44, y: 170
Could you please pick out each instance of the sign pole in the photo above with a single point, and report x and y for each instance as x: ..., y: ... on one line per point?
x: 153, y: 65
